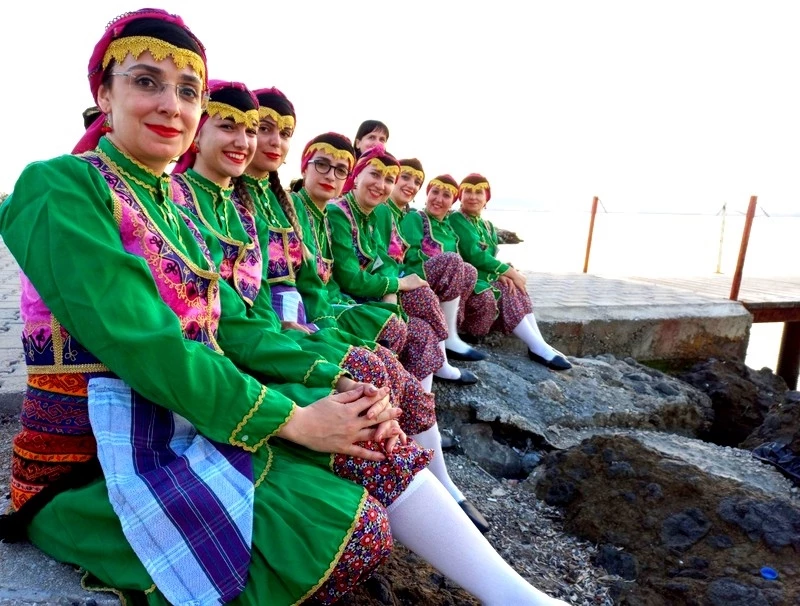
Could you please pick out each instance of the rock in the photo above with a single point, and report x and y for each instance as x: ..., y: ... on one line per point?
x: 781, y: 425
x: 730, y: 592
x: 617, y: 562
x: 741, y: 397
x: 478, y: 444
x: 525, y: 401
x: 690, y: 531
x: 505, y: 236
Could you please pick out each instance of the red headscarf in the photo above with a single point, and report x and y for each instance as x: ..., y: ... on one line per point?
x: 113, y: 32
x: 216, y: 106
x: 475, y: 179
x: 375, y: 153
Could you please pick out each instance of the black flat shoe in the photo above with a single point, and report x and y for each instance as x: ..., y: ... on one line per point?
x: 448, y: 441
x: 557, y: 363
x: 466, y: 378
x: 475, y: 515
x: 473, y: 355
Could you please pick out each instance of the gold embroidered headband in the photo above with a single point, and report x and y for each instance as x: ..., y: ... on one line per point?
x: 474, y: 187
x: 224, y: 111
x: 336, y: 154
x: 283, y: 122
x: 443, y: 185
x: 408, y: 170
x: 386, y: 171
x: 136, y: 45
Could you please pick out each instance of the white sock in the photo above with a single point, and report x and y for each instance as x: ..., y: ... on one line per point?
x: 528, y: 331
x: 431, y: 438
x: 427, y: 521
x: 427, y: 383
x: 447, y: 371
x: 453, y: 341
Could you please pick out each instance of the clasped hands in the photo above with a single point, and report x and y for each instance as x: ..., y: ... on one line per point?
x: 358, y: 412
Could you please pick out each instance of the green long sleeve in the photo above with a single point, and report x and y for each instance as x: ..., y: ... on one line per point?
x: 60, y: 226
x: 377, y: 278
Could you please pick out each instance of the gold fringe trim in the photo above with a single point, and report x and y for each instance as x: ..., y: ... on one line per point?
x: 336, y: 154
x: 443, y: 185
x: 285, y: 421
x: 267, y: 467
x: 386, y: 171
x: 283, y: 122
x: 348, y: 535
x: 232, y: 439
x: 136, y: 45
x: 95, y: 589
x: 310, y: 370
x: 408, y: 170
x: 473, y: 188
x: 225, y: 111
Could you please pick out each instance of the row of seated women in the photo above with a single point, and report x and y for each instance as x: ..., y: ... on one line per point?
x: 211, y: 415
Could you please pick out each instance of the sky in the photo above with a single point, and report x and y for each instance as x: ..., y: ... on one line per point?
x: 653, y: 106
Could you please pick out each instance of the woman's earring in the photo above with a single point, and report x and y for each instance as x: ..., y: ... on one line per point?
x: 107, y: 128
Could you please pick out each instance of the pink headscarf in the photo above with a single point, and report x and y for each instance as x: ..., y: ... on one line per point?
x: 186, y: 161
x: 375, y: 152
x: 114, y: 31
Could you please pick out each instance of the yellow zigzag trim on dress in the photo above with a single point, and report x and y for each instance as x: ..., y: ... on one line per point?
x: 232, y: 439
x: 336, y: 154
x: 409, y: 170
x: 386, y: 171
x: 267, y: 467
x: 347, y: 537
x: 282, y: 121
x: 225, y: 111
x: 474, y: 187
x: 443, y: 185
x: 136, y: 45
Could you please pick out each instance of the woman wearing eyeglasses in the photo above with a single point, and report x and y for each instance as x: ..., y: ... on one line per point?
x: 325, y: 164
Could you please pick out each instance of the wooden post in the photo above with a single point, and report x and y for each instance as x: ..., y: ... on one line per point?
x: 748, y: 223
x: 789, y: 357
x: 591, y: 231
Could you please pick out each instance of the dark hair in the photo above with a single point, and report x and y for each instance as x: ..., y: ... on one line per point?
x: 368, y: 126
x: 275, y: 99
x: 295, y: 185
x: 235, y: 97
x: 242, y: 194
x: 413, y: 163
x: 90, y: 115
x: 156, y: 28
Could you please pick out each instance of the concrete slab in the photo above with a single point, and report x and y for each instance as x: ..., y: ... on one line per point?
x: 585, y: 314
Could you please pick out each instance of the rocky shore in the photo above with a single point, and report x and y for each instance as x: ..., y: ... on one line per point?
x: 614, y: 483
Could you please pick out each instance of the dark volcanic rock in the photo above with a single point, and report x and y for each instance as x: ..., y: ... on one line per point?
x: 741, y: 397
x: 685, y: 535
x: 781, y: 425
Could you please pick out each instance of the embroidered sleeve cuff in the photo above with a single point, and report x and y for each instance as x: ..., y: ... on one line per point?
x: 392, y: 285
x: 503, y: 268
x: 322, y: 374
x: 269, y: 413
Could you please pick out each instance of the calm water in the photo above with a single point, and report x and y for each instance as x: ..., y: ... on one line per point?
x: 629, y: 244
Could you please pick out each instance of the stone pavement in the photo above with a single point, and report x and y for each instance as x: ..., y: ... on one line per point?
x: 12, y: 368
x: 580, y: 314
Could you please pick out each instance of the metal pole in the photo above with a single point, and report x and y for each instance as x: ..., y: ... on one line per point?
x: 591, y: 231
x: 748, y: 223
x: 721, y: 238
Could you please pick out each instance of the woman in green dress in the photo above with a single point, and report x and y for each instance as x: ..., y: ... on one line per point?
x: 504, y: 305
x: 125, y: 320
x: 225, y: 143
x: 448, y: 275
x: 134, y: 419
